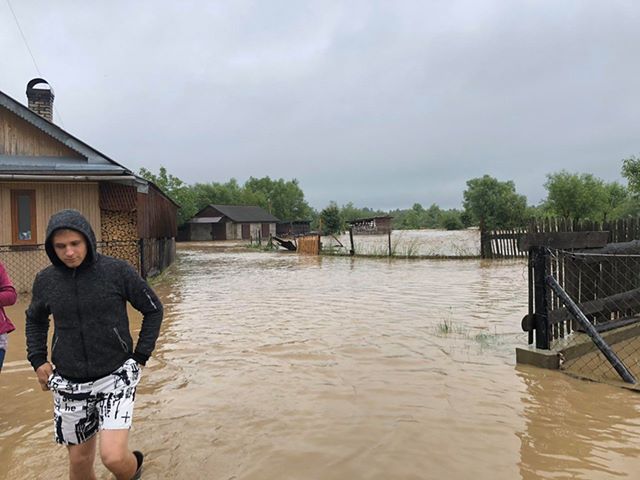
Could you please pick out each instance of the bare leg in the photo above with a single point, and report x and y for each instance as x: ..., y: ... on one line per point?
x: 81, y: 459
x: 115, y: 453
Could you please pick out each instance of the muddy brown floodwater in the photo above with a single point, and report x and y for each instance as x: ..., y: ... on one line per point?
x: 277, y: 366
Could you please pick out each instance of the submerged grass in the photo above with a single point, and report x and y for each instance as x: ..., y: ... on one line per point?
x: 488, y: 340
x: 448, y: 327
x: 445, y: 327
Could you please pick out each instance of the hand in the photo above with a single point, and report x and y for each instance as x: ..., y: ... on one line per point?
x: 43, y: 372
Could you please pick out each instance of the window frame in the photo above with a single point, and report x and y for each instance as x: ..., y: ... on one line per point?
x: 15, y: 237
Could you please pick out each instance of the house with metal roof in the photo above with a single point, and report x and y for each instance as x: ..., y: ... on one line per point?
x: 229, y: 222
x: 44, y: 169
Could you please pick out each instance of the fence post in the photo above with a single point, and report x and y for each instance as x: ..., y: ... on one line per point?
x: 485, y: 244
x: 143, y: 274
x: 540, y: 255
x: 352, y: 251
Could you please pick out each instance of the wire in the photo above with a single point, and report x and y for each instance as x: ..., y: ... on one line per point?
x: 24, y: 39
x: 33, y: 58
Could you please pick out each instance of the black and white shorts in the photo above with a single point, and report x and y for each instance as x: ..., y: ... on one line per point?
x: 81, y: 409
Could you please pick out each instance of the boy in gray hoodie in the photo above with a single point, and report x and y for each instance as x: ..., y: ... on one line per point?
x: 97, y: 367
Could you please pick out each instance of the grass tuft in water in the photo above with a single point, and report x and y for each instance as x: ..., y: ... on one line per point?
x: 449, y: 327
x: 445, y: 327
x: 487, y: 339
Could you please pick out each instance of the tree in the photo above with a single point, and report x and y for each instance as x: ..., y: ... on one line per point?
x: 413, y: 218
x: 631, y: 171
x: 433, y: 217
x: 331, y: 220
x: 451, y: 220
x: 229, y: 193
x: 175, y: 189
x: 617, y: 196
x: 284, y: 199
x: 349, y: 212
x: 631, y: 205
x: 493, y: 204
x: 576, y: 196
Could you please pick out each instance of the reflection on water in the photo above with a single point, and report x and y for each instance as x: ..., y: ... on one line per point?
x: 280, y: 366
x: 580, y: 429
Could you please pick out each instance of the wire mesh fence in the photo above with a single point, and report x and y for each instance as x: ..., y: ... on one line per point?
x: 23, y: 262
x: 605, y: 288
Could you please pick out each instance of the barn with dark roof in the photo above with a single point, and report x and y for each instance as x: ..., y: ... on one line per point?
x: 229, y: 222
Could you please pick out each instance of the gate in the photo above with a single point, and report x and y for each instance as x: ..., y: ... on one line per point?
x: 584, y: 303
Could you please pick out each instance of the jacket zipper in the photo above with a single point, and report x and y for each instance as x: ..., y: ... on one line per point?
x: 122, y: 342
x: 84, y: 347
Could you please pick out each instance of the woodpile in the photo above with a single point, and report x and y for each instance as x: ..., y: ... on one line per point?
x: 120, y: 236
x: 119, y: 226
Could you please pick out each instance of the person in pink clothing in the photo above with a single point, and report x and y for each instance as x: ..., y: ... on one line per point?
x: 8, y: 297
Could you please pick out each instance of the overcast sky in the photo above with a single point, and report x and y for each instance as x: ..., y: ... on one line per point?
x: 382, y: 103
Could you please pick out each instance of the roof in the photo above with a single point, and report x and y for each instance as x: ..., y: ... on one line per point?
x: 205, y: 220
x: 370, y: 219
x: 92, y: 166
x: 29, y: 165
x: 242, y: 213
x: 93, y: 159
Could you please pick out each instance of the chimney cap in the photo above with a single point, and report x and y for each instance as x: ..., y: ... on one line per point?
x: 38, y: 81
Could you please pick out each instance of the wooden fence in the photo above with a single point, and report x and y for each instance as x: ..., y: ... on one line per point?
x: 502, y: 243
x: 621, y: 230
x: 309, y: 244
x: 505, y: 243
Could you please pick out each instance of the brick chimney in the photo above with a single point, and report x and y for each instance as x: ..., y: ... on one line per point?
x: 40, y: 99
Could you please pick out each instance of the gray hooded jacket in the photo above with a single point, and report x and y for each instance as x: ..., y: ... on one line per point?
x: 91, y: 335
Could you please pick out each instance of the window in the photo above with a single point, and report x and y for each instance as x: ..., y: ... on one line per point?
x: 23, y: 217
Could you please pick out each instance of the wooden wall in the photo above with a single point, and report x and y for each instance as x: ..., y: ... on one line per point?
x: 50, y: 198
x: 18, y: 137
x: 157, y: 216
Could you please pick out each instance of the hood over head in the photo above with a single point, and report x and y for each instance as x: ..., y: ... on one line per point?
x: 70, y: 220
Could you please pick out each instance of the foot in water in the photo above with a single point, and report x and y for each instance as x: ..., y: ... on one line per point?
x: 140, y: 459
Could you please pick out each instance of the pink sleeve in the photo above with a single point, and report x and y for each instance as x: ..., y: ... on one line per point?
x: 8, y: 294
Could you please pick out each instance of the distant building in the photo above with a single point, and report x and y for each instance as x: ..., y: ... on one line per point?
x: 371, y: 226
x: 44, y: 169
x: 292, y: 229
x: 228, y: 222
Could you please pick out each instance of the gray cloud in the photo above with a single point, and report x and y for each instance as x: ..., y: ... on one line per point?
x: 381, y: 103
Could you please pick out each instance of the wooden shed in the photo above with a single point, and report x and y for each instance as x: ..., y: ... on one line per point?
x: 44, y: 169
x: 294, y: 228
x: 229, y: 222
x: 371, y: 226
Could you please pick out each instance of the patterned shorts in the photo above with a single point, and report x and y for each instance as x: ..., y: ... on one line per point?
x: 81, y: 409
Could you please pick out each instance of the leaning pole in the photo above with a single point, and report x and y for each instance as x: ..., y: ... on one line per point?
x: 615, y: 362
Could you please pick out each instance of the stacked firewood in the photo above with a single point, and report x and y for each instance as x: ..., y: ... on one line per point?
x: 118, y: 226
x: 120, y: 236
